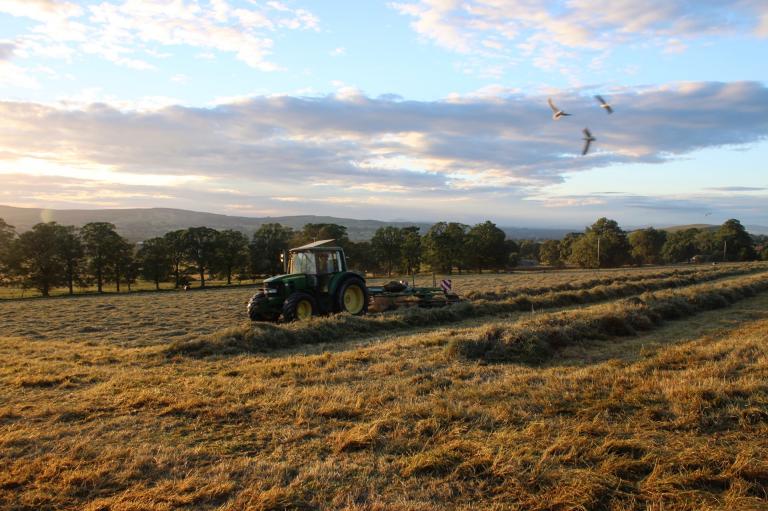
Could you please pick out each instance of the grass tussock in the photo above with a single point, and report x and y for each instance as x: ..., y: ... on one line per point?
x: 536, y: 339
x: 261, y: 337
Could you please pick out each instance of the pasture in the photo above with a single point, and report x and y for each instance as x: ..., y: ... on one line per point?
x: 618, y: 389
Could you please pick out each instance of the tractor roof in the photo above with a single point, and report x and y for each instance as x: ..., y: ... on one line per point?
x: 317, y: 245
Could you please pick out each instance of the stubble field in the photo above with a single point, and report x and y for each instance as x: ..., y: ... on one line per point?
x: 624, y: 389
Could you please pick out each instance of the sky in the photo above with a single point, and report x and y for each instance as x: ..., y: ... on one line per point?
x: 419, y: 110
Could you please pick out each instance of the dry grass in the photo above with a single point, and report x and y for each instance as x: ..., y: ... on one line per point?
x: 673, y: 419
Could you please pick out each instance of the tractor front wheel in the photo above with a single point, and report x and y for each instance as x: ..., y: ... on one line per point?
x: 299, y: 306
x: 353, y: 297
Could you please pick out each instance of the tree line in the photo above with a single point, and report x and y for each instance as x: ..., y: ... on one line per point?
x: 52, y: 255
x: 605, y: 244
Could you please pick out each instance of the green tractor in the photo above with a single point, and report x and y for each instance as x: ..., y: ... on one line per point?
x: 317, y: 282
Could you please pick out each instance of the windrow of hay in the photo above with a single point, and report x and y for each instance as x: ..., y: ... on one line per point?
x: 536, y: 339
x: 698, y: 274
x: 261, y: 337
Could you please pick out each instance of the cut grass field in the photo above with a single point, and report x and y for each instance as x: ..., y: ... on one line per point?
x: 675, y: 417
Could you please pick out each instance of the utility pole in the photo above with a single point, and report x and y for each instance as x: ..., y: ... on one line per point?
x: 725, y: 248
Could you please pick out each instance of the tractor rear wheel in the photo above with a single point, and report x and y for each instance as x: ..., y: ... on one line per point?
x: 352, y: 297
x: 299, y: 306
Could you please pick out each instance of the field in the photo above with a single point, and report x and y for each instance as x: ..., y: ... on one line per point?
x: 622, y: 389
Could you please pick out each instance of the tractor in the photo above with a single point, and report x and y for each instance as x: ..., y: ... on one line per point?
x: 317, y: 282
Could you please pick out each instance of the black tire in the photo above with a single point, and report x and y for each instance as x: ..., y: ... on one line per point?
x: 347, y: 287
x: 292, y: 307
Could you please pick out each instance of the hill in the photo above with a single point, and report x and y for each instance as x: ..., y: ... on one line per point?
x: 142, y: 223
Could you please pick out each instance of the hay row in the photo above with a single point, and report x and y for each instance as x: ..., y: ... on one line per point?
x: 534, y: 340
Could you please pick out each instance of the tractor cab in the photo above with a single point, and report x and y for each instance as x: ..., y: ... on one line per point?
x: 316, y: 259
x: 317, y: 281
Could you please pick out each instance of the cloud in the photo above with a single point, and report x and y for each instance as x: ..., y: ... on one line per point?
x: 352, y: 149
x: 6, y: 50
x: 547, y: 31
x: 128, y: 32
x: 737, y: 189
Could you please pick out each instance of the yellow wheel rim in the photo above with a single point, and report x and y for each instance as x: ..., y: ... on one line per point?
x: 353, y: 299
x: 304, y: 310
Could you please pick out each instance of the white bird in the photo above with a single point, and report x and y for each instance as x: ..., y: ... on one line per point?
x: 588, y: 139
x: 604, y: 104
x: 557, y: 112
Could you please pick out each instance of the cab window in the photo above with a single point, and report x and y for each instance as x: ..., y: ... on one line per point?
x: 303, y: 262
x: 328, y: 262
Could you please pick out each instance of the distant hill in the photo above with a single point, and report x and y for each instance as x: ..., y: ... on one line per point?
x: 140, y: 224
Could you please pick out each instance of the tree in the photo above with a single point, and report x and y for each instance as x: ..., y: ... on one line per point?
x: 268, y: 242
x: 646, y: 244
x: 174, y: 242
x: 72, y: 255
x: 122, y: 267
x: 387, y: 244
x: 231, y: 252
x: 707, y: 244
x: 7, y: 237
x: 529, y: 249
x: 200, y: 245
x: 360, y: 256
x: 102, y: 246
x: 736, y: 242
x: 513, y: 249
x: 603, y: 244
x: 444, y: 244
x: 680, y: 246
x: 317, y: 232
x: 566, y: 243
x: 486, y: 247
x: 549, y: 253
x: 411, y: 250
x: 40, y: 261
x: 155, y: 260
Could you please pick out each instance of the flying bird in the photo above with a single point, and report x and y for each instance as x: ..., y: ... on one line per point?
x: 557, y: 112
x: 604, y: 104
x: 588, y: 139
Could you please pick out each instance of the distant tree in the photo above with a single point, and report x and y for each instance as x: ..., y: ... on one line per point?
x: 387, y: 245
x: 121, y: 263
x: 411, y: 250
x: 764, y: 252
x: 174, y: 242
x: 646, y: 244
x: 360, y: 256
x: 736, y: 242
x: 445, y: 246
x: 317, y: 232
x: 102, y: 246
x: 566, y: 243
x: 268, y: 242
x: 200, y: 247
x: 72, y: 255
x: 609, y: 238
x: 513, y: 249
x: 231, y: 252
x: 154, y: 260
x: 529, y: 249
x: 549, y: 253
x: 486, y: 247
x: 39, y: 258
x: 7, y: 237
x: 707, y: 244
x: 680, y: 246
